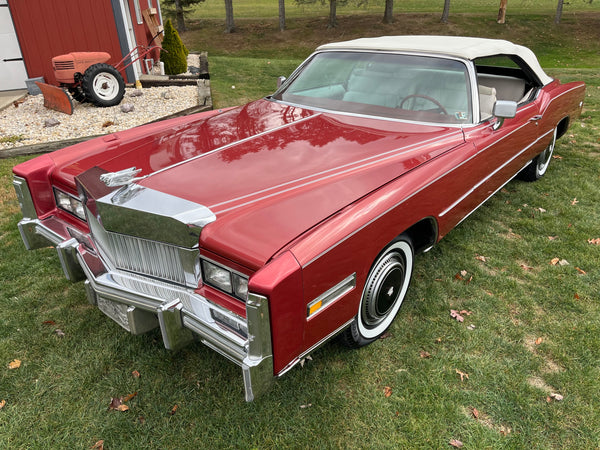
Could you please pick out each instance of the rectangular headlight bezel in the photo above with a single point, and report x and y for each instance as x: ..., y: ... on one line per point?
x: 231, y: 281
x: 69, y: 203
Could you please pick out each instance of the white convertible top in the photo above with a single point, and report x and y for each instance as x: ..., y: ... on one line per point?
x: 462, y: 47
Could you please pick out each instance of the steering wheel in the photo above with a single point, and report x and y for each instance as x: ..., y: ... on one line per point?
x: 432, y: 100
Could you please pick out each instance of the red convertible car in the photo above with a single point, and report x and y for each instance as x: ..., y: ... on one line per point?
x: 267, y: 229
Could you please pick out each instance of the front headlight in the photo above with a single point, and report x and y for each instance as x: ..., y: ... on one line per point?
x: 69, y: 203
x: 225, y: 279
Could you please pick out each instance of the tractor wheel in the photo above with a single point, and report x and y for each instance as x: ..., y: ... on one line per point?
x: 103, y: 85
x: 77, y: 93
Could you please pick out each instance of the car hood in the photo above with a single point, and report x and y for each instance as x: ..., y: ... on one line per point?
x: 270, y: 171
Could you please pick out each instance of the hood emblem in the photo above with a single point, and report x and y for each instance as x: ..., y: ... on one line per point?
x: 120, y: 178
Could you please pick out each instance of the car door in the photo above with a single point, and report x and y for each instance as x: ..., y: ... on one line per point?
x: 495, y: 156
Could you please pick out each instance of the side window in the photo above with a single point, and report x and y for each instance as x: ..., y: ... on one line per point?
x: 503, y: 77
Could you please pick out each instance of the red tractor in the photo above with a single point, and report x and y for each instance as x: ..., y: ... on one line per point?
x: 87, y: 77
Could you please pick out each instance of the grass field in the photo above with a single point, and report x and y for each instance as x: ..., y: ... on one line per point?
x: 533, y: 328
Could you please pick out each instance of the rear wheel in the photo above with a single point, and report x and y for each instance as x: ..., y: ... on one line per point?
x: 383, y: 294
x: 103, y: 85
x: 538, y: 165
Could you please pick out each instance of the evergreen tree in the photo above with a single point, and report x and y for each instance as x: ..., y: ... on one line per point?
x: 174, y: 53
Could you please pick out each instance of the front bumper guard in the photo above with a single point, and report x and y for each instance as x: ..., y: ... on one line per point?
x: 140, y: 304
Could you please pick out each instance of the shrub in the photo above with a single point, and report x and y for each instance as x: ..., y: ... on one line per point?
x: 174, y: 53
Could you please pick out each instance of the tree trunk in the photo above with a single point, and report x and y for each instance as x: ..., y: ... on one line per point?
x: 332, y: 14
x: 179, y: 16
x: 229, y: 25
x: 559, y: 10
x: 388, y: 15
x: 446, y: 12
x: 281, y: 15
x: 502, y: 11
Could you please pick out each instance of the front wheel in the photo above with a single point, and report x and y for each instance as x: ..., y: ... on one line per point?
x: 103, y: 85
x: 538, y: 165
x: 383, y: 294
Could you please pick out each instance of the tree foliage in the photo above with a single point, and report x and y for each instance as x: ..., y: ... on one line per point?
x: 177, y: 10
x: 174, y: 53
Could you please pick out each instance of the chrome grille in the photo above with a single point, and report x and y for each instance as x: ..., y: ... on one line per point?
x: 151, y: 258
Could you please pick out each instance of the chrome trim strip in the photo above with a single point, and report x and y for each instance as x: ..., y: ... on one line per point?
x: 332, y: 295
x: 314, y: 347
x: 470, y: 191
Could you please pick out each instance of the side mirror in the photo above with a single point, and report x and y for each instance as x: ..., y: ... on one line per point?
x: 280, y: 81
x: 503, y: 109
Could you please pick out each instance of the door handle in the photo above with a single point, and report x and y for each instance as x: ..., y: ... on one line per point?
x: 535, y: 118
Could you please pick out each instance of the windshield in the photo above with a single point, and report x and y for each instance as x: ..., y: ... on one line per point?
x: 419, y: 88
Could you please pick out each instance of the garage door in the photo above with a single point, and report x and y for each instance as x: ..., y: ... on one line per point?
x: 12, y: 67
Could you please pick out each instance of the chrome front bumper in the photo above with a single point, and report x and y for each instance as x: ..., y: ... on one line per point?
x: 140, y: 303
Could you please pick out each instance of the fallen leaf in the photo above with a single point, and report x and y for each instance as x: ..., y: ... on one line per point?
x: 122, y: 408
x: 465, y: 312
x: 438, y: 340
x: 115, y: 402
x: 463, y: 273
x: 542, y: 210
x: 135, y: 374
x: 387, y: 391
x: 581, y: 271
x: 538, y: 341
x: 108, y: 123
x: 59, y: 332
x: 454, y: 314
x: 475, y: 413
x: 557, y: 157
x: 49, y: 322
x: 98, y: 445
x: 463, y: 375
x: 471, y: 327
x: 563, y: 262
x: 385, y: 335
x: 174, y: 409
x: 128, y: 397
x: 2, y: 404
x: 576, y: 296
x: 481, y: 258
x: 574, y: 202
x: 455, y: 443
x: 424, y: 354
x: 526, y: 267
x: 552, y: 238
x: 595, y: 241
x: 308, y: 405
x: 14, y: 364
x: 556, y: 397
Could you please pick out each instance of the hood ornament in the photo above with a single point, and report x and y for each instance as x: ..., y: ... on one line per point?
x: 120, y: 178
x: 124, y: 178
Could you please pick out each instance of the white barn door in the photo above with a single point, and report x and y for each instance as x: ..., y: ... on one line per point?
x: 12, y: 67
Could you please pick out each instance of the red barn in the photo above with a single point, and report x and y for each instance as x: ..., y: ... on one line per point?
x: 32, y: 32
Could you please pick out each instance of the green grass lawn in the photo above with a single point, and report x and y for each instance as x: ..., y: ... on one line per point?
x: 533, y: 328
